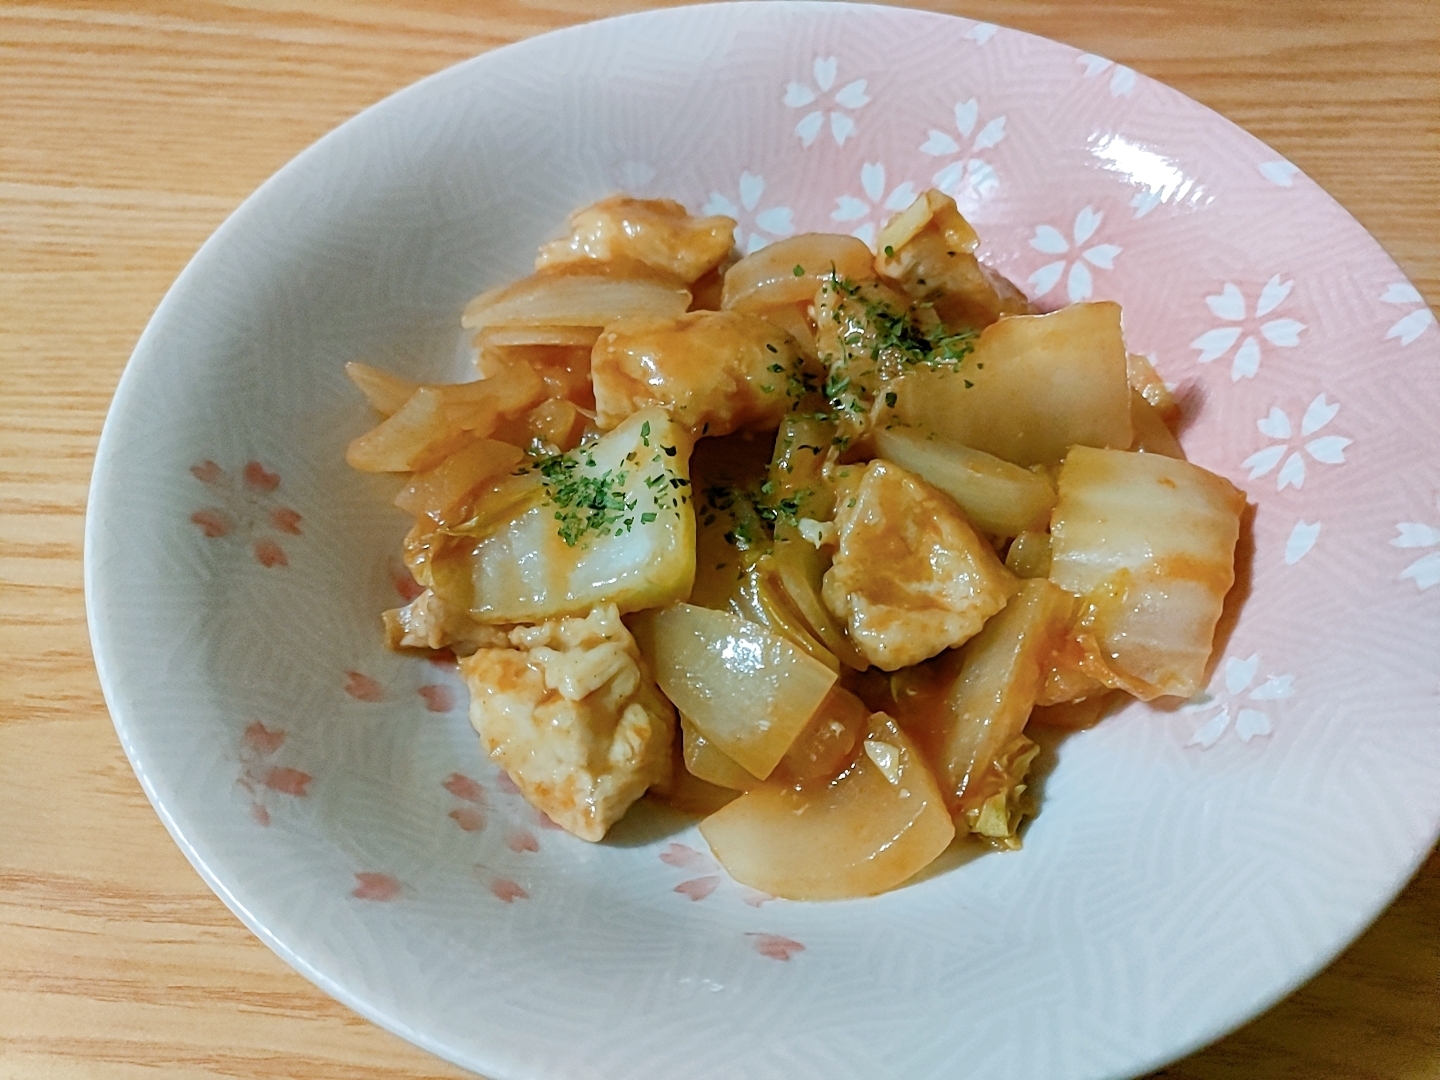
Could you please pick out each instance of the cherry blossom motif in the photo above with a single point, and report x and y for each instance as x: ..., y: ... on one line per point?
x: 373, y: 886
x: 967, y: 178
x: 503, y: 888
x: 258, y: 773
x: 762, y: 226
x: 521, y: 840
x: 406, y: 587
x: 1412, y: 325
x: 981, y: 33
x: 1229, y: 304
x: 247, y: 509
x: 471, y: 816
x: 774, y: 946
x: 684, y: 857
x: 1424, y: 571
x: 1122, y: 79
x: 508, y: 891
x: 363, y: 688
x: 872, y: 204
x: 1237, y: 678
x: 699, y: 888
x: 1279, y: 172
x: 1079, y: 284
x: 851, y: 96
x: 437, y: 698
x: 1326, y: 450
x: 1302, y: 539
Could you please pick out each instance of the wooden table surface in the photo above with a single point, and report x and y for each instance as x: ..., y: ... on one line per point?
x: 129, y: 131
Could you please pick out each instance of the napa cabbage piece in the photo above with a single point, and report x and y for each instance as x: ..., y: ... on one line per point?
x: 1148, y: 544
x: 1033, y: 386
x: 999, y: 498
x: 748, y: 690
x: 609, y: 522
x: 868, y: 335
x: 875, y: 825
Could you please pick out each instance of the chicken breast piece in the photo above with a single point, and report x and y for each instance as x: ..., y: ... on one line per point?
x: 568, y: 711
x: 911, y: 577
x: 715, y: 372
x: 655, y: 232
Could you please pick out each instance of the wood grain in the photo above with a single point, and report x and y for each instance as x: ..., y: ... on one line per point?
x: 127, y: 134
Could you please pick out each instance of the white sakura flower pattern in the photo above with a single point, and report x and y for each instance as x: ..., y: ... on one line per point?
x: 1302, y: 539
x: 754, y: 227
x: 1229, y: 304
x: 1424, y: 571
x: 851, y: 96
x: 981, y: 33
x: 1279, y: 172
x: 1327, y: 450
x: 1410, y: 326
x: 1237, y: 677
x: 1122, y: 79
x: 967, y: 178
x: 1079, y: 284
x: 850, y: 208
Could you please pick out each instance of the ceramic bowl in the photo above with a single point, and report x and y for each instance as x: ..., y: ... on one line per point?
x: 1189, y: 865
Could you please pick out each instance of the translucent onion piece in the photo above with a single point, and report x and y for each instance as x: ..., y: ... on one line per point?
x: 436, y: 421
x: 876, y: 825
x: 747, y: 690
x: 766, y: 279
x: 574, y: 300
x: 999, y: 498
x: 442, y: 493
x: 386, y: 392
x: 1152, y: 436
x: 1000, y: 672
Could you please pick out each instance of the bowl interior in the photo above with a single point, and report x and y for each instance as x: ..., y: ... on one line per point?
x: 1189, y: 864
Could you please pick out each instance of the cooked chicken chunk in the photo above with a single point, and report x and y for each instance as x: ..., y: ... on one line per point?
x: 569, y: 712
x: 655, y: 232
x: 427, y: 622
x: 911, y: 577
x: 714, y: 371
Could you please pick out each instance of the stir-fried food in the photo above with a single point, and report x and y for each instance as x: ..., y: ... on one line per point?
x: 811, y: 537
